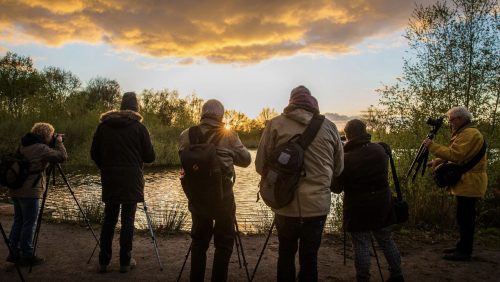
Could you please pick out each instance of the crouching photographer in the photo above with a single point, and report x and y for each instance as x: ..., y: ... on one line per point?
x: 466, y: 145
x: 39, y: 147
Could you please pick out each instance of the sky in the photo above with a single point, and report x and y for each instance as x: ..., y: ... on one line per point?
x: 247, y: 54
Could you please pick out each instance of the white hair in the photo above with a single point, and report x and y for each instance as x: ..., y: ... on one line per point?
x: 460, y: 112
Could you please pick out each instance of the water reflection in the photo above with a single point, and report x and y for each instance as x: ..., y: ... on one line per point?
x: 163, y: 192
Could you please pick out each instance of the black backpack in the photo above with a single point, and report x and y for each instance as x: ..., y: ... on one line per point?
x: 202, y: 179
x: 14, y: 170
x: 285, y: 165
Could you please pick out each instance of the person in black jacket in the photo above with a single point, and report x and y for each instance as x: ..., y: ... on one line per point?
x: 120, y: 146
x: 367, y: 200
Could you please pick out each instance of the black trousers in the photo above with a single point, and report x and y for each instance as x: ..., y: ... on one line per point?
x: 293, y: 231
x: 222, y: 228
x: 466, y: 219
x: 111, y: 211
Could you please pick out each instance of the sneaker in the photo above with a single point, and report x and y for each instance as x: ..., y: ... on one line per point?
x: 126, y: 268
x: 449, y: 250
x: 456, y: 256
x: 27, y: 261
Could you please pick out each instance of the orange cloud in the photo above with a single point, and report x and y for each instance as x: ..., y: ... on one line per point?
x: 223, y: 31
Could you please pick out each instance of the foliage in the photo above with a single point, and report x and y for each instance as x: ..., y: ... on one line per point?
x: 454, y: 61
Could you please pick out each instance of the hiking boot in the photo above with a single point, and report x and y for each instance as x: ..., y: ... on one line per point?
x: 103, y: 268
x: 449, y: 250
x: 12, y: 258
x: 126, y: 268
x: 456, y: 256
x: 27, y: 261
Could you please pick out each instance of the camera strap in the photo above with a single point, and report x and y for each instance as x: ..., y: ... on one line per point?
x: 470, y: 164
x: 388, y: 151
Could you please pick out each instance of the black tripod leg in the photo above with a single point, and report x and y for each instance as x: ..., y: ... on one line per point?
x: 7, y: 242
x: 344, y: 246
x: 153, y: 238
x: 50, y: 171
x: 376, y: 257
x: 245, y: 264
x: 263, y: 248
x: 185, y: 260
x: 79, y: 208
x: 237, y: 248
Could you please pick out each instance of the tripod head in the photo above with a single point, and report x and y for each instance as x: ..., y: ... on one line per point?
x: 423, y: 154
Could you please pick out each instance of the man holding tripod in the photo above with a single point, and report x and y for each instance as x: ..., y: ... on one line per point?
x: 466, y: 141
x: 120, y: 147
x: 40, y: 147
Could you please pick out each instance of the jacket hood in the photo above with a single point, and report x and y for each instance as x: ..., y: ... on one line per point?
x: 120, y: 118
x: 31, y: 138
x: 211, y: 122
x: 298, y: 114
x: 357, y: 142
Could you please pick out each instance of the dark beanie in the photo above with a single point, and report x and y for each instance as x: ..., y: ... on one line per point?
x: 301, y: 96
x: 212, y: 109
x: 355, y: 128
x: 129, y: 102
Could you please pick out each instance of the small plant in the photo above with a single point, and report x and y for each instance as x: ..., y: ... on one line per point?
x: 94, y: 210
x: 171, y: 220
x: 266, y: 217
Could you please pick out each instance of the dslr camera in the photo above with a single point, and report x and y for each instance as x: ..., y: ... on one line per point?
x: 54, y: 137
x: 436, y: 123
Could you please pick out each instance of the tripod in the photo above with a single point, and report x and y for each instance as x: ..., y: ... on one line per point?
x: 423, y: 154
x: 239, y: 246
x: 263, y: 248
x: 51, y: 171
x: 7, y: 242
x: 153, y: 238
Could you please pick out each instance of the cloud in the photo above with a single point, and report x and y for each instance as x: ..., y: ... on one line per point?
x: 223, y: 31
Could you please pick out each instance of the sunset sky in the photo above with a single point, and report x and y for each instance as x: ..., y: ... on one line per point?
x: 247, y: 53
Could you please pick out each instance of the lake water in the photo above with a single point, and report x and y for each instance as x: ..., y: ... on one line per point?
x: 163, y: 193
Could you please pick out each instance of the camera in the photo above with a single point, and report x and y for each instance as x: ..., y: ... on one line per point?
x: 436, y: 123
x: 54, y: 139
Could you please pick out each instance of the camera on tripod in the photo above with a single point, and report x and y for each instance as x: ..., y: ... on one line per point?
x: 420, y: 160
x: 54, y: 138
x: 436, y: 123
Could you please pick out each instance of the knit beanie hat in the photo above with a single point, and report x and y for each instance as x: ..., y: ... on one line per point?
x: 212, y: 109
x: 355, y: 128
x: 129, y: 102
x: 301, y: 96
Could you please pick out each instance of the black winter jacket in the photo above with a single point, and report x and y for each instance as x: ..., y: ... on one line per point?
x: 120, y: 146
x: 367, y: 197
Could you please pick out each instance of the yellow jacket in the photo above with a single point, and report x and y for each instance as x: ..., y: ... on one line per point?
x: 465, y: 143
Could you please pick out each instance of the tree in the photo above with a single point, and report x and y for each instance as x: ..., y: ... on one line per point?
x: 57, y: 86
x: 19, y: 80
x: 103, y: 91
x: 455, y: 60
x: 237, y: 121
x: 265, y: 115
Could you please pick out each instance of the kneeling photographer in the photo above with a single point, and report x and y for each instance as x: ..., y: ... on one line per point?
x: 39, y: 147
x: 466, y: 144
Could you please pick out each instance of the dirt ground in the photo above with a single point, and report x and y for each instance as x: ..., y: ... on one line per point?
x: 67, y: 247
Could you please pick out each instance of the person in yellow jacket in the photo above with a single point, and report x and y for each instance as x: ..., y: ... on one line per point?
x: 466, y: 141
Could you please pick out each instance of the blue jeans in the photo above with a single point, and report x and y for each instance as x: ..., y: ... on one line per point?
x: 21, y: 234
x: 293, y: 231
x: 362, y: 243
x: 111, y: 211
